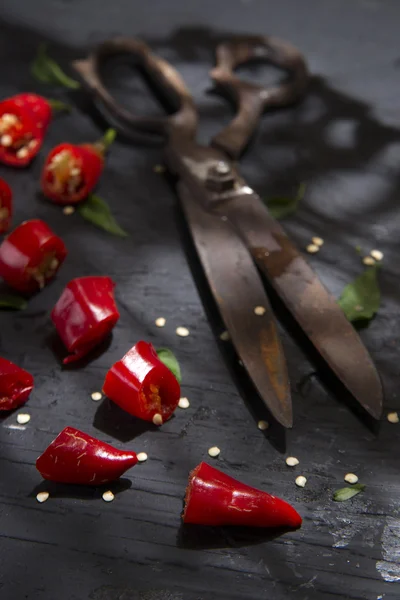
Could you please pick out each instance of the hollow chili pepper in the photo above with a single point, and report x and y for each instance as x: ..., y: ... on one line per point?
x: 39, y: 108
x: 20, y: 136
x: 15, y: 385
x: 30, y: 256
x: 71, y: 172
x: 76, y: 457
x: 142, y: 385
x: 213, y: 498
x: 6, y: 207
x: 85, y: 314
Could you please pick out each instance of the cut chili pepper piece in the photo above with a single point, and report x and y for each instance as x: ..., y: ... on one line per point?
x: 142, y: 385
x: 20, y: 137
x: 6, y: 207
x: 213, y: 498
x: 15, y: 385
x: 30, y: 256
x: 76, y: 457
x: 85, y: 314
x: 39, y: 108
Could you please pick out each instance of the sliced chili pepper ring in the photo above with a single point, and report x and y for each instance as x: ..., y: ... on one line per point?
x: 16, y: 385
x: 20, y: 137
x: 6, y: 208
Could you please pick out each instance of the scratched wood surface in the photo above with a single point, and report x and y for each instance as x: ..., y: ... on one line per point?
x: 344, y: 142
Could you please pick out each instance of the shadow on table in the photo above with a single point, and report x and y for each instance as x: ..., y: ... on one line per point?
x: 113, y: 421
x: 81, y: 492
x: 200, y: 537
x: 55, y: 344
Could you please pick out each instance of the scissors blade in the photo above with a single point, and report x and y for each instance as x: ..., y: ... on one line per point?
x: 237, y: 289
x: 314, y: 308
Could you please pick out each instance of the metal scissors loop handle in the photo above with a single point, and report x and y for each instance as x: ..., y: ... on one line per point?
x: 163, y: 75
x: 251, y: 99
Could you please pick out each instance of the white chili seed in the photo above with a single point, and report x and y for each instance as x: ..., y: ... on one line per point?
x: 142, y: 456
x: 42, y: 496
x: 368, y: 260
x: 69, y: 210
x: 214, y: 451
x: 183, y: 403
x: 224, y: 336
x: 23, y: 418
x: 301, y: 481
x: 157, y: 419
x: 376, y: 254
x: 263, y: 425
x: 75, y: 171
x: 96, y: 396
x: 160, y: 322
x: 259, y: 311
x: 182, y: 331
x: 22, y: 153
x: 54, y: 264
x: 351, y: 478
x: 312, y: 248
x: 292, y: 461
x: 32, y: 144
x: 108, y: 496
x: 317, y: 241
x: 393, y: 417
x: 6, y: 140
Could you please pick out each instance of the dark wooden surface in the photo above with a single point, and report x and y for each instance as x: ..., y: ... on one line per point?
x: 344, y: 142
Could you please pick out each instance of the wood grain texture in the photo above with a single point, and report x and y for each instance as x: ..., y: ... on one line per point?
x: 344, y: 142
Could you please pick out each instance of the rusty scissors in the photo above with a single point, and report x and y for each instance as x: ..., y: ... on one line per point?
x: 231, y: 227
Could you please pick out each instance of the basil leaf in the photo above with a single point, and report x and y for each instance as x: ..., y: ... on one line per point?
x: 361, y: 298
x: 348, y: 492
x: 46, y: 70
x: 12, y: 302
x: 281, y: 207
x: 169, y: 360
x: 59, y: 105
x: 96, y: 211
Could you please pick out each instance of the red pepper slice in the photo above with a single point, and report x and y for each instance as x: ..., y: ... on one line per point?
x: 85, y: 314
x: 20, y: 136
x: 37, y: 106
x: 142, y: 385
x: 213, y: 498
x: 76, y: 457
x: 15, y: 385
x: 71, y: 172
x: 30, y: 256
x: 6, y: 207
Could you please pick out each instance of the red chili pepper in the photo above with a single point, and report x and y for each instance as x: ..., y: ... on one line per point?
x: 6, y: 207
x: 142, y: 385
x: 30, y: 256
x: 71, y: 172
x: 20, y: 136
x: 85, y: 314
x: 213, y: 498
x: 15, y: 385
x: 76, y: 457
x: 37, y: 106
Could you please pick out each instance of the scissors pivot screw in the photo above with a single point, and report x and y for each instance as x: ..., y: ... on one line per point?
x: 220, y: 177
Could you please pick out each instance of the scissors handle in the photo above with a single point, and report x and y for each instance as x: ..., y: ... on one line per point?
x: 251, y: 99
x: 164, y: 77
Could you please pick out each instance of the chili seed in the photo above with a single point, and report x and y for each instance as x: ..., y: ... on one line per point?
x: 214, y: 451
x: 6, y: 140
x: 142, y: 456
x: 96, y: 396
x: 351, y: 478
x: 182, y: 331
x: 54, y: 264
x: 393, y: 417
x: 376, y: 254
x: 259, y: 311
x: 263, y: 425
x: 224, y: 336
x: 183, y: 403
x: 317, y: 241
x: 292, y: 461
x: 42, y: 496
x: 157, y: 419
x: 22, y: 153
x: 368, y: 260
x: 301, y: 481
x: 312, y: 248
x: 69, y: 210
x: 23, y: 418
x: 108, y: 496
x: 160, y: 322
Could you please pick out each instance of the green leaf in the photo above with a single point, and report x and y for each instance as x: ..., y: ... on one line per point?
x: 348, y: 492
x: 281, y: 207
x: 109, y: 138
x: 12, y: 302
x: 58, y: 105
x: 361, y: 299
x: 96, y: 211
x: 169, y: 360
x: 46, y: 70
